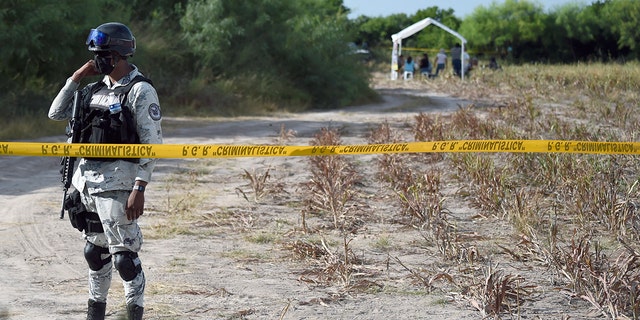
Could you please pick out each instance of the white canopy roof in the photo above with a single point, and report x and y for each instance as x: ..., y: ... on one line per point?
x: 412, y: 29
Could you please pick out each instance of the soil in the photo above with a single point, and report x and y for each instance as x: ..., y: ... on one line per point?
x: 214, y: 249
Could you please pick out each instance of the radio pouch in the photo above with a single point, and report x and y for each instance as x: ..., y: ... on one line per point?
x: 80, y: 218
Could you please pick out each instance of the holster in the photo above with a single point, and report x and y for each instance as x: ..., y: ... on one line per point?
x: 80, y: 218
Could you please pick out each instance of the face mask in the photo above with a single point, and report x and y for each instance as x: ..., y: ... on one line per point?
x: 103, y: 64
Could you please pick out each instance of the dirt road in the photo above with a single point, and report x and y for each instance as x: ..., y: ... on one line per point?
x: 215, y: 272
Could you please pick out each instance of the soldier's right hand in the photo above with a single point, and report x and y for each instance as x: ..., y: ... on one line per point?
x: 88, y: 69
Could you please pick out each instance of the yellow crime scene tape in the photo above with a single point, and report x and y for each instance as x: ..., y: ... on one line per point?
x: 234, y: 151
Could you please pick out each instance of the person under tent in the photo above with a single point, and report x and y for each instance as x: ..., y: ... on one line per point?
x: 425, y: 66
x: 409, y: 68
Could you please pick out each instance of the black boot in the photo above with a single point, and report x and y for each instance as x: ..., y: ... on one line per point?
x: 96, y: 310
x: 134, y: 312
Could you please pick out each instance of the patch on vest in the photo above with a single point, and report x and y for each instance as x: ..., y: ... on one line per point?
x: 154, y: 112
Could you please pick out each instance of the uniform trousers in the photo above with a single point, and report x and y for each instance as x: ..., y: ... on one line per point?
x: 120, y: 234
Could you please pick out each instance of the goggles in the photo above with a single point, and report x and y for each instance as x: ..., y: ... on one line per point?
x: 100, y: 39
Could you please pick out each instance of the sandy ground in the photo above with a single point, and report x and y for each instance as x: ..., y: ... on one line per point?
x: 211, y: 254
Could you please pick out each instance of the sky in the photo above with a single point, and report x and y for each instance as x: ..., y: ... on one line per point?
x: 461, y: 8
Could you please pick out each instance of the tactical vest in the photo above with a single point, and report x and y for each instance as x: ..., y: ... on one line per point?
x: 106, y: 118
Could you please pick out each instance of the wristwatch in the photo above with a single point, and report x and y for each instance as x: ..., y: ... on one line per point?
x: 138, y: 188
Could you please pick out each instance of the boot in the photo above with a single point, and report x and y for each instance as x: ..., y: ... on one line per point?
x: 134, y: 312
x: 96, y: 310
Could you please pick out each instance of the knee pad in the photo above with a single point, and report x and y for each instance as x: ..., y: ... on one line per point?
x: 128, y: 264
x: 93, y: 255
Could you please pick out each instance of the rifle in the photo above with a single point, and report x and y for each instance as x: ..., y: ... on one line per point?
x: 68, y: 162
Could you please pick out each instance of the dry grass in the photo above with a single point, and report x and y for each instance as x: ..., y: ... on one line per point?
x: 331, y: 186
x: 259, y: 185
x: 574, y: 216
x: 499, y: 293
x: 595, y: 193
x: 547, y: 198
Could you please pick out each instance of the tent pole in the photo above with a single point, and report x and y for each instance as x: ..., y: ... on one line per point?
x: 394, y: 61
x: 462, y: 60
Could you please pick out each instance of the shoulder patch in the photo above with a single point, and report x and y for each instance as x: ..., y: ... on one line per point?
x: 154, y: 112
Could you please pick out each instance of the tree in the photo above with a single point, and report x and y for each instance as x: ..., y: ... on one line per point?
x: 43, y: 41
x: 624, y: 19
x: 377, y: 31
x: 580, y: 33
x: 435, y: 37
x: 283, y: 41
x: 514, y: 27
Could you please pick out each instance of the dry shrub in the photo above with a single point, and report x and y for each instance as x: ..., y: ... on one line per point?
x: 488, y: 187
x: 340, y: 266
x: 285, y: 135
x: 602, y: 193
x: 547, y: 172
x: 259, y: 185
x: 467, y: 124
x: 553, y: 126
x: 420, y: 196
x: 390, y: 165
x: 611, y: 287
x: 499, y: 293
x: 422, y: 201
x: 520, y: 112
x: 332, y: 181
x: 615, y: 292
x: 524, y: 210
x: 384, y: 134
x: 443, y: 236
x: 426, y: 128
x: 419, y: 193
x: 426, y: 280
x: 429, y: 128
x: 527, y: 249
x: 578, y: 261
x: 305, y: 249
x: 541, y: 194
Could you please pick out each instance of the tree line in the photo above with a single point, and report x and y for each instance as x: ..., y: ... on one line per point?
x: 521, y: 30
x: 235, y: 57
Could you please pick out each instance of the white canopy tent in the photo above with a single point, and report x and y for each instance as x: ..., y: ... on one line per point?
x: 411, y: 30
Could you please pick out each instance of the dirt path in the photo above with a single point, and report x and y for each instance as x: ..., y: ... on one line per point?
x: 230, y: 263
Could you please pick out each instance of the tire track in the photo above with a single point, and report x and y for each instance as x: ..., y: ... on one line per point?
x: 40, y: 256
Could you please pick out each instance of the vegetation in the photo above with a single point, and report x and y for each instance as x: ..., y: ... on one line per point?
x: 575, y: 215
x: 205, y: 57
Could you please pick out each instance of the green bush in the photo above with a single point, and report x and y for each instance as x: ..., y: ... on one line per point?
x: 209, y: 57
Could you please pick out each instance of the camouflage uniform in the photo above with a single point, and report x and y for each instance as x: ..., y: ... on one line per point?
x: 105, y: 185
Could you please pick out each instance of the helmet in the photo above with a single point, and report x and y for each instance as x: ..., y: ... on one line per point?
x: 112, y: 36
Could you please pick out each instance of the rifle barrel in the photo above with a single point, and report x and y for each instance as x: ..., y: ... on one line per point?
x: 69, y: 162
x: 64, y: 197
